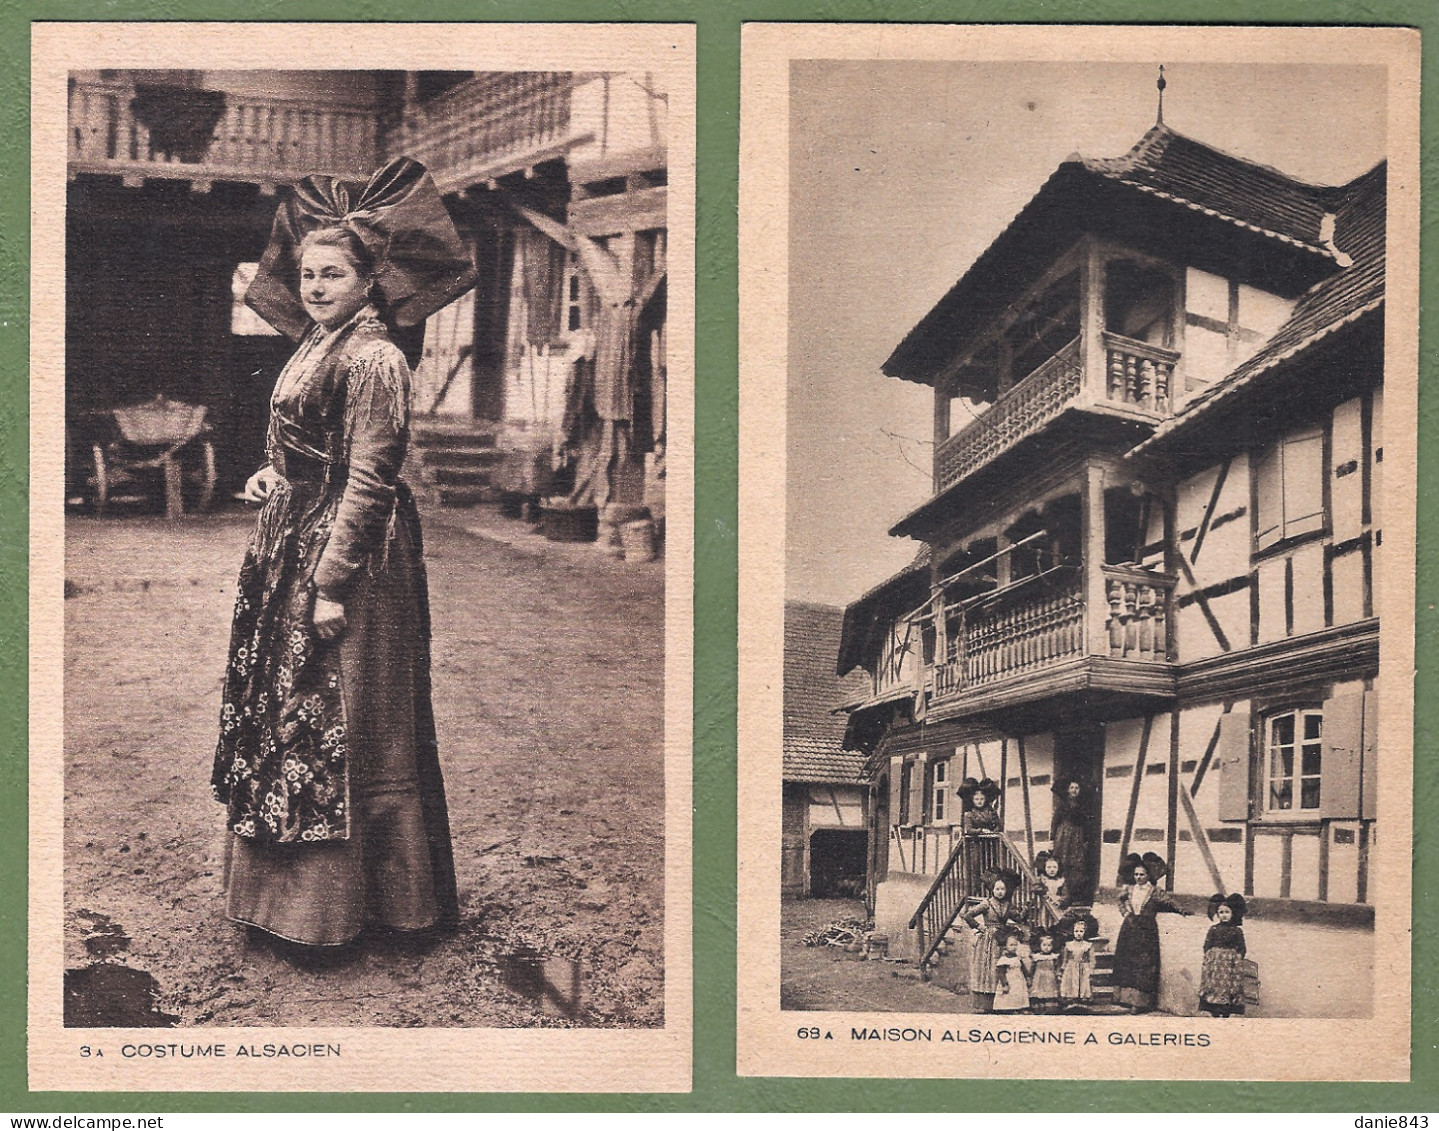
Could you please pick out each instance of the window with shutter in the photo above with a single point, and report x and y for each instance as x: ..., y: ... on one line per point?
x: 915, y: 810
x: 905, y: 774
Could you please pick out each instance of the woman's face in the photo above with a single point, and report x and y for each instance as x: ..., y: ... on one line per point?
x: 1141, y: 874
x: 1000, y: 889
x: 1073, y: 791
x: 331, y: 287
x: 979, y: 799
x: 1224, y: 913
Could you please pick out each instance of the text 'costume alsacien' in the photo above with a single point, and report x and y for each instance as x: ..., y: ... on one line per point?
x: 327, y: 759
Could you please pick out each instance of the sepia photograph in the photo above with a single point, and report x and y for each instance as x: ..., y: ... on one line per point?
x: 368, y: 413
x: 1097, y: 594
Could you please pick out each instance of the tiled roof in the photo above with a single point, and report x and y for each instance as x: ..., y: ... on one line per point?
x: 1199, y: 176
x: 1335, y: 302
x: 813, y: 733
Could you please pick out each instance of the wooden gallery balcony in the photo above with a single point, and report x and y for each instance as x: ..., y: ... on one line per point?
x: 173, y: 133
x: 1053, y: 635
x: 1121, y: 377
x: 488, y: 126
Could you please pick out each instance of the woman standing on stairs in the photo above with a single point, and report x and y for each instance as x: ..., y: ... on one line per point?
x: 327, y: 760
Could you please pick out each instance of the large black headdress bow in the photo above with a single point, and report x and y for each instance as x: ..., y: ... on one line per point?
x: 421, y: 262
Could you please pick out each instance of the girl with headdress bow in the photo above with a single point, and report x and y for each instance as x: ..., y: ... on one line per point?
x: 1136, y: 951
x: 1221, y: 978
x: 327, y: 761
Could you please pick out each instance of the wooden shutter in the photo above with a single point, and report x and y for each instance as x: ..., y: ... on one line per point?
x: 1303, y: 484
x: 1369, y: 763
x: 1231, y: 760
x: 895, y: 816
x: 1343, y: 756
x: 1268, y: 495
x: 915, y: 812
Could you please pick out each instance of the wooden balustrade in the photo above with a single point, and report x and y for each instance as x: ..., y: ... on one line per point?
x: 265, y: 139
x: 1023, y: 634
x: 1019, y: 413
x: 1138, y: 617
x: 471, y: 129
x: 1138, y: 374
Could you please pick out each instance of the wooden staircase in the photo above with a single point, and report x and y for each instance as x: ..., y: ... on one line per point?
x: 944, y: 943
x: 455, y: 458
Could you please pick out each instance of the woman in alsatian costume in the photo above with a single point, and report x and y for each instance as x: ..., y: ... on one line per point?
x: 327, y: 759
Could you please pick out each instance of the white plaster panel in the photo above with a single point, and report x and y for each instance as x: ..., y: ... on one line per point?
x: 1308, y: 588
x: 1348, y: 588
x: 1304, y: 868
x: 1271, y: 600
x: 1268, y: 866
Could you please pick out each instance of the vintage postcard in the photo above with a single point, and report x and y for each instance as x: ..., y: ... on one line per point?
x: 1077, y: 447
x: 361, y: 528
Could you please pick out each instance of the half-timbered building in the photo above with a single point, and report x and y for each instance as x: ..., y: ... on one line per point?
x: 1152, y: 547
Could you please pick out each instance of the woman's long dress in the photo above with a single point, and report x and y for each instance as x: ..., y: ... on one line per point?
x: 1071, y: 847
x: 986, y: 919
x: 1136, y: 951
x: 327, y: 758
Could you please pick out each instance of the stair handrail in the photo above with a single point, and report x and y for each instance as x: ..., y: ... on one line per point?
x: 942, y: 882
x: 1032, y: 894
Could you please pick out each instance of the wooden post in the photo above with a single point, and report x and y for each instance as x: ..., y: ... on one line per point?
x: 1091, y: 309
x: 943, y: 389
x: 1096, y: 600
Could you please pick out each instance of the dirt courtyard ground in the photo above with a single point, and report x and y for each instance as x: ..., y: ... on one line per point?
x: 548, y: 676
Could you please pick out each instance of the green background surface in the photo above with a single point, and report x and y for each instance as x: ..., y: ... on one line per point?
x: 716, y: 1087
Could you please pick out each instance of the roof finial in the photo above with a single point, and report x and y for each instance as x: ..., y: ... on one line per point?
x: 1161, y: 84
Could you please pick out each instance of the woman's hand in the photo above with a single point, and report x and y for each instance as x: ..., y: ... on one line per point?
x: 329, y: 618
x: 259, y: 485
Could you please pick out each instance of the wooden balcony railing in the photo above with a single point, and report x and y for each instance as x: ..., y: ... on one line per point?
x: 255, y: 139
x: 1138, y: 374
x: 1043, y: 624
x: 486, y: 125
x: 1138, y: 617
x: 1021, y: 412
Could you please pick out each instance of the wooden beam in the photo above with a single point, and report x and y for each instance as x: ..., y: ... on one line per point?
x: 1092, y: 531
x: 1201, y: 840
x: 1024, y: 789
x: 1171, y: 836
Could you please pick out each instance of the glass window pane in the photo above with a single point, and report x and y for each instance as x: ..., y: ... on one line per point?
x: 1309, y: 794
x: 1281, y: 794
x: 1313, y: 726
x: 1283, y: 732
x: 1310, y: 762
x: 1281, y: 762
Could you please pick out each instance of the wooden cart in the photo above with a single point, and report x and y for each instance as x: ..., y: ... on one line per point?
x: 157, y: 437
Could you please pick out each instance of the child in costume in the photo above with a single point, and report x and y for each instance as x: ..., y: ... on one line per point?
x: 1077, y: 967
x: 1221, y: 979
x: 1051, y: 876
x: 1011, y: 977
x: 1044, y: 982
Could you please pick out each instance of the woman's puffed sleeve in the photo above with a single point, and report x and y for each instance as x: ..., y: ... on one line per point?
x: 377, y: 397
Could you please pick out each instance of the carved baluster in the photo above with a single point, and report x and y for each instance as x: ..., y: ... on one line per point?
x: 1164, y: 373
x: 1145, y: 398
x: 1116, y: 619
x: 1144, y: 611
x: 1116, y: 375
